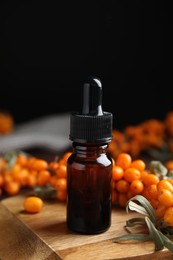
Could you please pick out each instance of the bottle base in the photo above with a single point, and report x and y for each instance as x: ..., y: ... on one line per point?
x: 87, y: 231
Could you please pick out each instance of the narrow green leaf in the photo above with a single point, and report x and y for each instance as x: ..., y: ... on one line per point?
x: 135, y: 221
x: 167, y: 242
x: 46, y: 192
x: 136, y: 207
x: 140, y: 237
x: 157, y: 238
x: 157, y: 168
x: 146, y: 205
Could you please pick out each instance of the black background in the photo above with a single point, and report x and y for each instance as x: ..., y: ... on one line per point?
x: 49, y: 48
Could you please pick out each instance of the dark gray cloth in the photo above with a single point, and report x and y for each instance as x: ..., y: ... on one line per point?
x: 47, y: 132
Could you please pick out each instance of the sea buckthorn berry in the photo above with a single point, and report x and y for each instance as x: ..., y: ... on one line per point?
x: 132, y: 174
x: 53, y: 165
x: 113, y: 184
x: 7, y: 177
x: 165, y: 198
x: 61, y: 195
x: 136, y: 186
x: 160, y: 210
x: 130, y: 194
x: 22, y: 160
x: 6, y: 123
x: 33, y: 204
x: 145, y: 193
x: 150, y: 179
x: 3, y: 164
x: 20, y: 175
x: 30, y: 162
x: 152, y: 191
x: 12, y: 187
x: 43, y: 177
x: 138, y: 164
x: 31, y: 180
x: 154, y: 203
x: 61, y: 172
x: 164, y: 184
x: 39, y: 165
x: 169, y: 165
x: 1, y: 180
x: 66, y: 156
x: 114, y: 196
x: 144, y: 174
x: 61, y: 184
x: 124, y: 160
x: 53, y: 180
x: 117, y: 173
x: 168, y: 217
x: 122, y: 186
x: 122, y: 199
x: 171, y: 181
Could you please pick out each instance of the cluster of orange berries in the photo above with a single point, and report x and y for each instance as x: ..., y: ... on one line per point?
x: 134, y: 139
x: 31, y: 172
x: 131, y: 178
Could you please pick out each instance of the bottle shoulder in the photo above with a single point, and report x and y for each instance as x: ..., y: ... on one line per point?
x: 101, y: 159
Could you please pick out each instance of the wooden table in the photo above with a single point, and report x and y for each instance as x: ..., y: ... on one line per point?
x: 46, y: 236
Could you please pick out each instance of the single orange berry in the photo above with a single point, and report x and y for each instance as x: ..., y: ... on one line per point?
x: 114, y: 196
x: 138, y: 164
x: 61, y: 195
x: 164, y: 184
x: 165, y: 198
x: 168, y: 217
x: 150, y: 179
x: 61, y: 184
x: 117, y: 173
x: 152, y: 191
x: 61, y: 172
x: 122, y: 186
x: 124, y: 160
x: 39, y: 165
x: 154, y: 203
x: 43, y: 177
x: 160, y: 210
x: 136, y: 187
x: 12, y: 187
x: 33, y: 204
x: 169, y: 165
x: 22, y: 160
x: 132, y: 174
x: 122, y: 199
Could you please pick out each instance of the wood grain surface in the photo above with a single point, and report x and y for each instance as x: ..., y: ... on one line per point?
x: 45, y: 236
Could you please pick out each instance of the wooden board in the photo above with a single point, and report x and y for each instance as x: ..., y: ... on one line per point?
x: 45, y: 236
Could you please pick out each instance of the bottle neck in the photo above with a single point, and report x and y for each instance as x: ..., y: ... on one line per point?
x: 89, y: 150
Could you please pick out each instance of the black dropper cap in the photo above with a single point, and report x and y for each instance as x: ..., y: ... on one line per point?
x: 92, y: 124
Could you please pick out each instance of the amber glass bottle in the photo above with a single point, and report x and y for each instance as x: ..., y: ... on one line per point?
x: 89, y: 168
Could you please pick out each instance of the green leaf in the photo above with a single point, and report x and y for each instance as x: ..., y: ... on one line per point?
x: 167, y: 242
x: 157, y: 168
x: 136, y: 207
x: 154, y: 233
x: 46, y: 192
x: 145, y: 204
x: 11, y: 156
x: 140, y: 237
x: 135, y: 221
